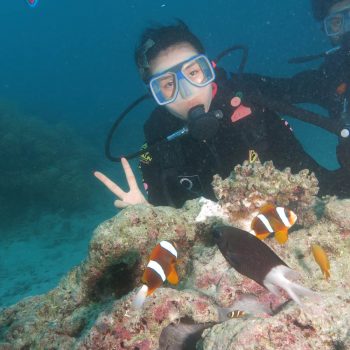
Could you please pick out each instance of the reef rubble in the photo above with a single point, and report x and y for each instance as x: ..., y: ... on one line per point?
x: 91, y: 306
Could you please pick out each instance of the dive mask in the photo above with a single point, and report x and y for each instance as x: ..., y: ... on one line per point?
x: 197, y: 71
x: 337, y: 23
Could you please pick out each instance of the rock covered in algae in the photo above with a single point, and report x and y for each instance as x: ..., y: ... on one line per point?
x: 125, y: 328
x: 253, y: 184
x: 91, y: 307
x: 338, y: 211
x: 118, y: 254
x: 322, y: 323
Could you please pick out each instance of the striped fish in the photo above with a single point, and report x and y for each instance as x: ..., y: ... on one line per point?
x: 236, y: 314
x: 160, y: 267
x: 272, y: 219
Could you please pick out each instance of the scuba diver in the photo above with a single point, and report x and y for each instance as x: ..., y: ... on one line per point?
x: 329, y: 85
x: 203, y: 125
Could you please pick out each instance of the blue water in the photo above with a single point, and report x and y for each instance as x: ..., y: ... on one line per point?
x: 71, y: 62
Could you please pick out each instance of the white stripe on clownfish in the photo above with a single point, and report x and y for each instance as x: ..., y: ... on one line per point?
x: 169, y: 247
x: 282, y: 214
x: 157, y: 268
x: 265, y: 221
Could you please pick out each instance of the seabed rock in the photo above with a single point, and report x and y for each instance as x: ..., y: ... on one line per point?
x: 91, y: 306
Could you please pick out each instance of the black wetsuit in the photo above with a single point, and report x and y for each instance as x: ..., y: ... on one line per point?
x: 183, y: 169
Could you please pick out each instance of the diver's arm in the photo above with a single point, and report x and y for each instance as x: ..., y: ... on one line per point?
x: 337, y: 183
x: 304, y: 87
x: 286, y: 151
x: 331, y: 182
x: 340, y: 184
x: 134, y: 196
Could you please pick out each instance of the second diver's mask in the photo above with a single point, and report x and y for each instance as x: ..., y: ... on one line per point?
x: 337, y: 23
x: 197, y: 71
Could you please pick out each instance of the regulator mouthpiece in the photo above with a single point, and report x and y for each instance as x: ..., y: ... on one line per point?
x: 203, y: 125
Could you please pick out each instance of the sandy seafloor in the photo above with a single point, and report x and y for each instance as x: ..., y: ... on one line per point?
x: 36, y: 253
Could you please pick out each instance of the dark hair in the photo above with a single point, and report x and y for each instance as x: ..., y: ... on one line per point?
x: 320, y: 8
x: 155, y: 39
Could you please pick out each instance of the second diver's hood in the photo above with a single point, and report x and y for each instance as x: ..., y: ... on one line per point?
x: 320, y: 8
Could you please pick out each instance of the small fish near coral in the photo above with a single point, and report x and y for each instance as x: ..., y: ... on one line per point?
x: 32, y: 3
x: 243, y: 307
x: 321, y: 259
x: 272, y: 219
x: 236, y: 314
x: 255, y: 260
x: 160, y: 267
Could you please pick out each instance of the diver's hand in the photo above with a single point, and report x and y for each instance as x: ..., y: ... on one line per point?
x: 134, y: 196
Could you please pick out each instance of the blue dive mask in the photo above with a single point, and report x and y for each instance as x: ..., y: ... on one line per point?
x: 197, y: 71
x: 337, y: 23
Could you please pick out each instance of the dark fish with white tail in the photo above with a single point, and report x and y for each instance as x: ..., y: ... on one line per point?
x: 254, y: 259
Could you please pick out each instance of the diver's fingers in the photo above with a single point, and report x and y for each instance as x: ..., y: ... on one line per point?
x: 120, y: 204
x: 113, y: 187
x: 130, y: 177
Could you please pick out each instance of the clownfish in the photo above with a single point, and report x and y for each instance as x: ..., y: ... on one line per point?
x: 160, y: 267
x: 272, y: 219
x: 321, y: 259
x: 32, y: 3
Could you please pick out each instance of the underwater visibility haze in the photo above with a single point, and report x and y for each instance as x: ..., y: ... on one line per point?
x: 67, y: 71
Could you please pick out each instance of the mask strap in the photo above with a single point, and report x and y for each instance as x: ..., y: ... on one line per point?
x: 147, y: 45
x: 145, y: 48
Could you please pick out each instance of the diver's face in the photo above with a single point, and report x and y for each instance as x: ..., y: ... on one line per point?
x: 170, y: 57
x: 336, y: 21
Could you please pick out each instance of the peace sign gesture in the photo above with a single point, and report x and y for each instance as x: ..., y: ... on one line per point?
x: 134, y: 196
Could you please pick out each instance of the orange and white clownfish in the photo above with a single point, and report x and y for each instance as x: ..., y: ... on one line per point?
x: 160, y: 267
x: 272, y: 219
x: 321, y: 259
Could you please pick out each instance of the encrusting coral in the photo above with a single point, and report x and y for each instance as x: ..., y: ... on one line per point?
x: 253, y: 184
x: 91, y: 307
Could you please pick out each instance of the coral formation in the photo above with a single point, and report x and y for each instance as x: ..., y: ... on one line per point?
x: 253, y: 184
x: 118, y: 253
x: 91, y: 307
